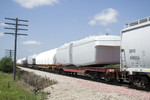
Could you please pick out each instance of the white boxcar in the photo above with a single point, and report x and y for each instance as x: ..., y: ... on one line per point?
x: 46, y: 58
x: 93, y: 50
x: 135, y: 49
x: 31, y: 60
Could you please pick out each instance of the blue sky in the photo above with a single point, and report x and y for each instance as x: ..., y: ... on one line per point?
x: 55, y: 22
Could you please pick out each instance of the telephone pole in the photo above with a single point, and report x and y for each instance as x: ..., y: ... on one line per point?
x: 9, y: 53
x: 16, y: 29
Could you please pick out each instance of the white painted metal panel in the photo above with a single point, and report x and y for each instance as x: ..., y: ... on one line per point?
x: 135, y: 49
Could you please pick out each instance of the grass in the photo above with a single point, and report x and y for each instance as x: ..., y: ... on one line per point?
x: 113, y: 66
x: 16, y: 90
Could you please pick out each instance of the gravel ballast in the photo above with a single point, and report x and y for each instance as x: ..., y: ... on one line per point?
x: 69, y: 88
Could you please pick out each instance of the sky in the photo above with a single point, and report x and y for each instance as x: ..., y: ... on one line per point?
x: 55, y: 22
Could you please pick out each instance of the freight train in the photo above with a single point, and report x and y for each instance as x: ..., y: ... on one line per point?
x: 98, y: 56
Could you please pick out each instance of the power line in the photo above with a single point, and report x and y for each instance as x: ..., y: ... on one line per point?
x: 10, y: 33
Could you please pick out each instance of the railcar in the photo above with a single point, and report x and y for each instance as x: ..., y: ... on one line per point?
x: 135, y: 52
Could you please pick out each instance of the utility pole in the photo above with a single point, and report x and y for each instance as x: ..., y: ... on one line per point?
x: 9, y: 53
x: 16, y: 33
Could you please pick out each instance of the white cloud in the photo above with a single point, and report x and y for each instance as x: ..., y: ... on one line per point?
x: 3, y: 24
x: 35, y: 3
x: 1, y: 34
x: 31, y: 43
x: 105, y: 17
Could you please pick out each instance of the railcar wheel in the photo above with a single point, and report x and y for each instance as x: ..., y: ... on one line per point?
x: 107, y: 78
x: 94, y: 75
x: 140, y: 82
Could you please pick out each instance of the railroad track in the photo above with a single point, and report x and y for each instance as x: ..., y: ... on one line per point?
x: 79, y: 76
x: 121, y: 89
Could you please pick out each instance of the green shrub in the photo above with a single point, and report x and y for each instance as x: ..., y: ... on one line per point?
x: 6, y: 65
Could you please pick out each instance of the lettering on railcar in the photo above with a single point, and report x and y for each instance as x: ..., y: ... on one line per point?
x: 134, y: 57
x: 132, y: 50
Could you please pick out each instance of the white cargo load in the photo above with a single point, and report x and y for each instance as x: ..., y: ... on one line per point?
x: 31, y: 60
x: 62, y: 55
x: 21, y: 61
x: 135, y: 49
x: 93, y: 50
x: 46, y: 58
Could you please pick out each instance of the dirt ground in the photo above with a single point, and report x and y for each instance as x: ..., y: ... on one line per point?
x: 66, y: 91
x: 70, y: 88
